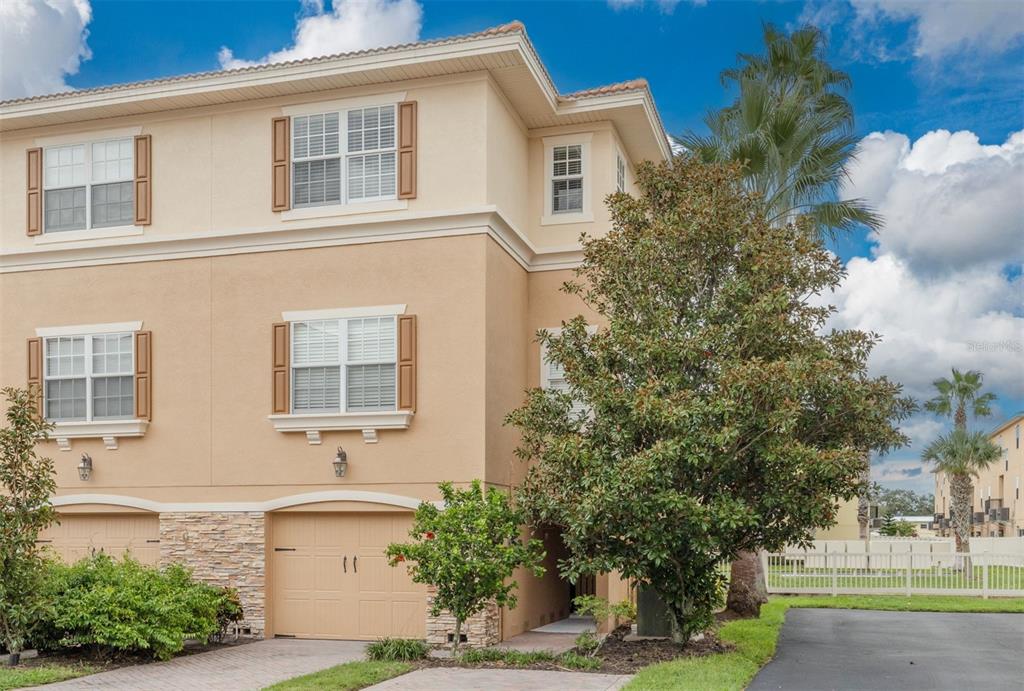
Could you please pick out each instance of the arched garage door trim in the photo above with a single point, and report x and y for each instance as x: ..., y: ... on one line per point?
x: 396, y: 500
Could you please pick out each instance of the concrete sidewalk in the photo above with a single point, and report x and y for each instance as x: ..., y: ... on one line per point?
x: 246, y: 667
x: 448, y: 678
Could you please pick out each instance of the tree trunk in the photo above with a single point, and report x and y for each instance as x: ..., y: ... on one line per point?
x: 457, y: 637
x: 863, y: 501
x: 747, y: 588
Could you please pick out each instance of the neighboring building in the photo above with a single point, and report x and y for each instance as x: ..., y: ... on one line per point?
x: 221, y: 280
x: 998, y: 508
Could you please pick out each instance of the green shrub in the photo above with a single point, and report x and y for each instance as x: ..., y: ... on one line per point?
x: 512, y: 658
x: 601, y: 609
x: 587, y: 643
x: 576, y: 661
x: 229, y: 611
x: 397, y: 649
x: 123, y: 606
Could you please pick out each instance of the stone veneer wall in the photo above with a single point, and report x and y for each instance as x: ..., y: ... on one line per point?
x: 481, y: 630
x: 222, y: 548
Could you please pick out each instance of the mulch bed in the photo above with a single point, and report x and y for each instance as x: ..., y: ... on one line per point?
x: 76, y: 657
x: 617, y: 656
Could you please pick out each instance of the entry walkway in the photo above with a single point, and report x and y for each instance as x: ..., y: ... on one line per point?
x: 896, y: 651
x: 241, y: 668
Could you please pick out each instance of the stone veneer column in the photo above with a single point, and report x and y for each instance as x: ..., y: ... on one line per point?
x: 481, y: 630
x: 222, y: 548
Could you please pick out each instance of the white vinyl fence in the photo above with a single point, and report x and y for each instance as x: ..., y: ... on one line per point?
x: 901, y: 572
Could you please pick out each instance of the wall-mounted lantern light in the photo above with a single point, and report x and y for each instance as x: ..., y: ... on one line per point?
x: 340, y: 463
x: 85, y: 467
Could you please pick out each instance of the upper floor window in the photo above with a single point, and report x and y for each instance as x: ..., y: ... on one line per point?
x: 344, y: 364
x: 620, y: 173
x: 89, y: 377
x: 567, y: 179
x: 88, y: 185
x: 344, y: 156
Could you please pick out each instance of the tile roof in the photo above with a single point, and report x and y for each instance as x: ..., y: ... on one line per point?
x: 509, y: 28
x: 630, y: 85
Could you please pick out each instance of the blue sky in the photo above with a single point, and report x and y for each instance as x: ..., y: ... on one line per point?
x: 938, y: 93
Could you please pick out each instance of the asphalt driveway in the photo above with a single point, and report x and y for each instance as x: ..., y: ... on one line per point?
x: 858, y: 649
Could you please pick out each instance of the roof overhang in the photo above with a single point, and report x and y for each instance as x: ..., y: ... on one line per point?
x: 505, y: 53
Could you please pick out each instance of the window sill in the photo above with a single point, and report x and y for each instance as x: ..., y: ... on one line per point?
x: 315, y: 423
x: 107, y: 430
x: 309, y: 212
x: 90, y: 234
x: 563, y: 219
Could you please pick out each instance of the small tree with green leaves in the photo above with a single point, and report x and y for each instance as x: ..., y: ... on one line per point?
x: 26, y: 485
x: 468, y: 550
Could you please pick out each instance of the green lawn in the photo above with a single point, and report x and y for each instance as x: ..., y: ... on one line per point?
x: 755, y: 638
x: 347, y: 677
x: 19, y: 677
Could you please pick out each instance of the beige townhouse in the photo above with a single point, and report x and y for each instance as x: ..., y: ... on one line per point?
x: 270, y: 308
x: 997, y: 508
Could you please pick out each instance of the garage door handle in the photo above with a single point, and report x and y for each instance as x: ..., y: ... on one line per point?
x: 152, y: 541
x: 354, y: 567
x: 284, y: 549
x: 344, y: 563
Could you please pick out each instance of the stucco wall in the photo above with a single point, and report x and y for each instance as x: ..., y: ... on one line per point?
x: 210, y: 439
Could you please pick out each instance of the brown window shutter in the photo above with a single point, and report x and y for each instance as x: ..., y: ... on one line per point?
x: 34, y: 192
x: 35, y: 371
x: 281, y: 366
x: 280, y: 164
x: 407, y: 362
x: 143, y: 180
x: 144, y: 375
x: 407, y: 150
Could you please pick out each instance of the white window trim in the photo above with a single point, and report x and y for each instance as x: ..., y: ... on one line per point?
x: 319, y: 107
x: 89, y: 375
x: 85, y: 235
x: 586, y: 215
x: 312, y: 424
x: 310, y: 212
x: 343, y: 156
x: 83, y: 137
x: 89, y: 232
x: 64, y: 431
x: 88, y: 329
x: 369, y: 421
x: 343, y: 313
x: 619, y: 158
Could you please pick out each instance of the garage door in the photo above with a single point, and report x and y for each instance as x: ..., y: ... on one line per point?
x: 330, y: 577
x: 80, y: 535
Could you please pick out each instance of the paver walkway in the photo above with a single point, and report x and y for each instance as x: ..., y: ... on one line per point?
x: 449, y: 678
x: 242, y: 668
x: 895, y: 651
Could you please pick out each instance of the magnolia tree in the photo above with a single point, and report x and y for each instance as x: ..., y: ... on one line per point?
x: 468, y: 550
x: 720, y: 416
x: 26, y: 484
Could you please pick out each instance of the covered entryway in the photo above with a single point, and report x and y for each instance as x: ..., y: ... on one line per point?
x: 330, y: 578
x: 80, y: 535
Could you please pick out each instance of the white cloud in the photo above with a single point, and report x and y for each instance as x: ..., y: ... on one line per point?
x: 41, y: 42
x: 949, y: 202
x: 942, y: 27
x: 928, y: 324
x: 350, y: 25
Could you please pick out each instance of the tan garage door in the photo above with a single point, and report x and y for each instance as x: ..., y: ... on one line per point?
x: 330, y: 578
x: 80, y: 535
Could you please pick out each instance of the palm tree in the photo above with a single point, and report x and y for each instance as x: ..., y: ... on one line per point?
x: 792, y: 129
x: 961, y: 455
x: 958, y: 394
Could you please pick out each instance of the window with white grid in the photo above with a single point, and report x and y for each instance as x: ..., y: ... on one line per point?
x: 88, y: 185
x: 89, y: 377
x: 567, y: 179
x: 331, y: 166
x: 344, y: 364
x: 620, y: 173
